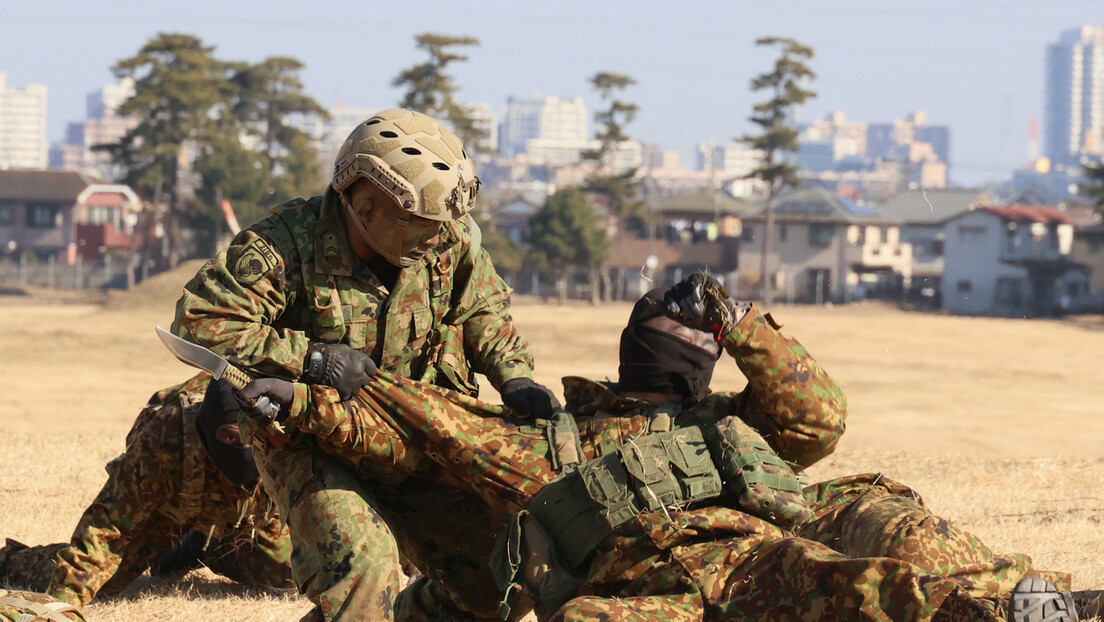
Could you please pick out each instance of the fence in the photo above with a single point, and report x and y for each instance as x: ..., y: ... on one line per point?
x: 98, y: 274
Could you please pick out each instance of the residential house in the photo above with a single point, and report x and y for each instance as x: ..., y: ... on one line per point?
x: 64, y: 215
x: 702, y: 215
x: 1010, y: 260
x: 920, y: 214
x: 1088, y: 250
x: 826, y: 248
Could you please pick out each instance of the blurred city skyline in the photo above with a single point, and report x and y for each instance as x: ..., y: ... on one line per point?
x: 976, y: 67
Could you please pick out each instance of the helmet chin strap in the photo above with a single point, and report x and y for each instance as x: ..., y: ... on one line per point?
x: 392, y: 255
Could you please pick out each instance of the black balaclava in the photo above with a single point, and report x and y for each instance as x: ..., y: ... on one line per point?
x: 659, y: 355
x: 220, y: 407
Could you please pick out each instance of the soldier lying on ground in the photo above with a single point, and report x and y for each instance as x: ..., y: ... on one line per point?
x: 184, y: 473
x: 682, y: 504
x: 385, y: 268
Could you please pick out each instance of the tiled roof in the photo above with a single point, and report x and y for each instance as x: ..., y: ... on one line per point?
x: 816, y: 203
x: 1030, y: 213
x: 55, y: 186
x: 929, y: 206
x: 703, y: 201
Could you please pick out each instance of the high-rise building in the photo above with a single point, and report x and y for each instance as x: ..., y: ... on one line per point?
x: 23, y: 126
x: 1073, y: 124
x: 549, y: 119
x: 102, y: 125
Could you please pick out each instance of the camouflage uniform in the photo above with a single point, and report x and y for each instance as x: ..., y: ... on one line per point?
x: 162, y: 485
x: 18, y: 606
x: 707, y: 562
x: 292, y: 279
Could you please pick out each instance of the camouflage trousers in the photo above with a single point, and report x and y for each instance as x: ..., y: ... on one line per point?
x: 257, y: 559
x: 872, y: 552
x: 710, y: 563
x: 347, y: 533
x: 344, y: 557
x: 721, y: 564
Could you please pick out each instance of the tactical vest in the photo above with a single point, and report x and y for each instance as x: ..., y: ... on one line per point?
x: 23, y: 606
x: 655, y: 472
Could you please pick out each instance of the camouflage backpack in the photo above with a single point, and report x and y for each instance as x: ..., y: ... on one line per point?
x: 18, y: 606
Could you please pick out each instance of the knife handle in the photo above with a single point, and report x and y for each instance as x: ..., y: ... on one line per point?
x: 236, y: 377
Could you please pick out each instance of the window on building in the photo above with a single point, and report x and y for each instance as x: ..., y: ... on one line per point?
x: 964, y: 287
x: 7, y: 215
x: 971, y: 233
x: 782, y: 232
x: 43, y: 216
x: 820, y: 234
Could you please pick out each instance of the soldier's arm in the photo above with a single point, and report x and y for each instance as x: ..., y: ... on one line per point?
x: 481, y: 304
x: 231, y: 303
x: 139, y: 482
x: 790, y: 399
x: 395, y: 427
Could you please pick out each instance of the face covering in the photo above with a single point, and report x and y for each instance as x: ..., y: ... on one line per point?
x: 220, y: 407
x: 659, y: 355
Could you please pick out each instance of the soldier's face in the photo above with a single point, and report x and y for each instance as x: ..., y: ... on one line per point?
x: 381, y: 214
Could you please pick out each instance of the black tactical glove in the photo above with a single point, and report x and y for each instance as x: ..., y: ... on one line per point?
x: 185, y: 555
x: 702, y: 304
x: 266, y: 399
x: 528, y: 398
x: 339, y: 366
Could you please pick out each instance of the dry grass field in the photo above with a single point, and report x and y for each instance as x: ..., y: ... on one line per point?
x: 998, y: 423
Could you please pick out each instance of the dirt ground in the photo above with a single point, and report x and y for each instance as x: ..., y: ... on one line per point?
x: 999, y: 424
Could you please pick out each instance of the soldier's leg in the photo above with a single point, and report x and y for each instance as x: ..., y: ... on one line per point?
x: 254, y: 558
x: 448, y: 534
x: 793, y: 579
x: 668, y: 608
x: 28, y: 567
x: 344, y: 557
x: 872, y: 516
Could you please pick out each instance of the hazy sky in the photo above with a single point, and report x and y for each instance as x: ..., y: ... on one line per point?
x: 976, y: 66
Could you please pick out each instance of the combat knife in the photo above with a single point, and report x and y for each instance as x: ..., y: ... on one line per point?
x: 203, y: 358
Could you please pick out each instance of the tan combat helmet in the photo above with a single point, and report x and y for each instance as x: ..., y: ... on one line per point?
x: 412, y: 158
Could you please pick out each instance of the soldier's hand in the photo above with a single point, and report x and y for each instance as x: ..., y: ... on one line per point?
x: 528, y: 398
x: 266, y: 399
x: 702, y: 304
x: 339, y: 366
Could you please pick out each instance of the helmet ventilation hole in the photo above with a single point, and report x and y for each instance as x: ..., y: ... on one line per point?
x: 441, y: 166
x: 411, y: 151
x: 371, y: 121
x: 389, y: 134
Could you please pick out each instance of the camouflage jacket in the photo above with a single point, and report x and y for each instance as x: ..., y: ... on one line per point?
x: 164, y: 471
x: 398, y: 428
x: 293, y: 278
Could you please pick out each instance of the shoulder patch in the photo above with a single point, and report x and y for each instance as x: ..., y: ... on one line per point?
x: 255, y: 261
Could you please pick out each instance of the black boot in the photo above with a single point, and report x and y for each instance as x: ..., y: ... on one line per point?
x: 185, y: 555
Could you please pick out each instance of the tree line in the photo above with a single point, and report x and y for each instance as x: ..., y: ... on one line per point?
x: 234, y: 119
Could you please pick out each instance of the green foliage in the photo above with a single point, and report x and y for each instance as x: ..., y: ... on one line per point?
x: 267, y: 95
x: 239, y: 175
x: 611, y: 121
x: 507, y: 256
x: 219, y: 110
x: 1093, y: 188
x: 565, y: 235
x: 621, y: 190
x: 430, y: 89
x: 774, y: 115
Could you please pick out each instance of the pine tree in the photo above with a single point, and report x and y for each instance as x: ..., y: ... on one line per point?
x: 775, y: 117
